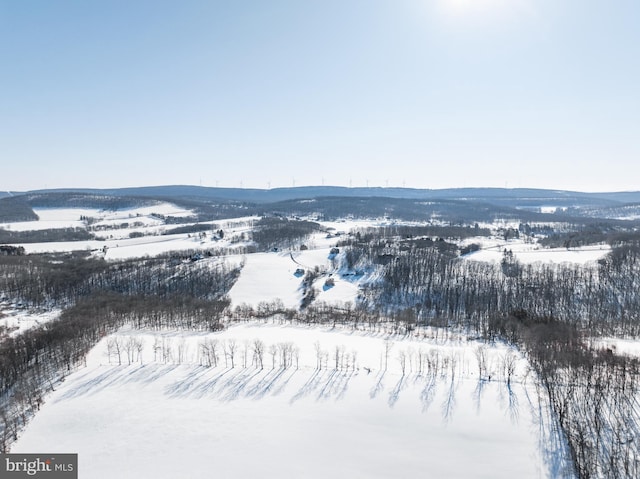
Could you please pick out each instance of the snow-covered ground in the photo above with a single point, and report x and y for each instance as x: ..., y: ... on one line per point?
x: 629, y: 347
x: 124, y: 248
x: 268, y: 277
x: 119, y: 245
x: 53, y: 218
x: 167, y: 415
x: 14, y: 320
x: 527, y: 253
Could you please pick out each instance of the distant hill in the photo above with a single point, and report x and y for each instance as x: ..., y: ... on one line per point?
x: 16, y: 208
x: 454, y: 205
x: 335, y: 207
x: 517, y: 197
x: 77, y: 199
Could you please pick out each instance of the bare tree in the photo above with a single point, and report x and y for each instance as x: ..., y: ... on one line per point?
x: 402, y: 359
x: 354, y: 357
x: 421, y: 357
x: 286, y: 354
x: 133, y: 346
x: 319, y: 354
x: 167, y: 351
x: 204, y: 354
x: 181, y: 350
x: 387, y: 349
x: 296, y: 356
x: 231, y: 347
x: 245, y: 352
x: 139, y: 346
x: 273, y: 350
x: 339, y: 357
x: 157, y: 348
x: 509, y: 361
x: 114, y: 348
x: 481, y: 357
x: 258, y: 353
x: 209, y: 352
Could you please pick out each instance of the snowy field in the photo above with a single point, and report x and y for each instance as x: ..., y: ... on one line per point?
x: 329, y: 410
x: 270, y: 276
x: 529, y: 253
x: 53, y: 218
x: 620, y: 346
x: 123, y: 248
x: 267, y: 277
x: 120, y: 249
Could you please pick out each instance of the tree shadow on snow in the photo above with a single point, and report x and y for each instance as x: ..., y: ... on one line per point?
x: 185, y: 386
x: 509, y: 400
x: 265, y: 385
x: 236, y: 384
x: 336, y: 385
x: 378, y: 386
x: 449, y: 403
x: 394, y: 395
x: 477, y: 393
x: 428, y: 392
x: 325, y: 384
x: 308, y: 387
x: 203, y: 386
x: 92, y: 384
x: 113, y: 376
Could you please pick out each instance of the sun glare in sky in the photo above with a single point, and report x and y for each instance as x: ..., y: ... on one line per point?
x: 483, y: 8
x: 469, y: 6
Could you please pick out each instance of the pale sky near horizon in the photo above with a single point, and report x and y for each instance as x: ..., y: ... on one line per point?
x: 420, y: 93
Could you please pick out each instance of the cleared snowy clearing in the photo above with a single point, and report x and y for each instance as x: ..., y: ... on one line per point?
x: 14, y: 321
x: 123, y: 248
x: 330, y: 411
x: 267, y: 277
x: 528, y: 253
x: 628, y: 347
x: 272, y: 276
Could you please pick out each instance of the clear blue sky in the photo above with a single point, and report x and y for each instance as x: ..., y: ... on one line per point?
x: 425, y: 93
